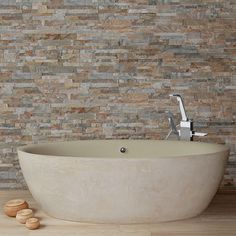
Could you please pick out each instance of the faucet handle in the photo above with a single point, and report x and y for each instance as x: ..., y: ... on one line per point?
x: 199, y: 134
x: 181, y: 105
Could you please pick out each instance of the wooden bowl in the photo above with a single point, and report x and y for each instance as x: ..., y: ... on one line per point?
x: 32, y: 223
x: 15, y: 205
x: 23, y: 215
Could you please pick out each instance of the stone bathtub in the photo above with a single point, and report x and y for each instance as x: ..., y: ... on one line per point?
x: 123, y: 181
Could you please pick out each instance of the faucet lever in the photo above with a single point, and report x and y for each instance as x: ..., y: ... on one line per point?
x: 198, y: 134
x: 181, y: 106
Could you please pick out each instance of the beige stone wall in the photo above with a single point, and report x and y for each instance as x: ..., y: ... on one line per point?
x: 97, y: 69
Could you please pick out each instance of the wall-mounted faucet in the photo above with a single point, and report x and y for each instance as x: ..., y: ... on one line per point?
x: 186, y: 131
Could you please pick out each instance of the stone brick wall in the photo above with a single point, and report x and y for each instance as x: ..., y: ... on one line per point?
x: 103, y: 69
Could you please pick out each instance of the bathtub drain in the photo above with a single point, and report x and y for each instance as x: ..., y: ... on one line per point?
x: 123, y: 150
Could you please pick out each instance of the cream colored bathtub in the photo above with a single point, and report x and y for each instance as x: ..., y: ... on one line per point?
x: 153, y: 181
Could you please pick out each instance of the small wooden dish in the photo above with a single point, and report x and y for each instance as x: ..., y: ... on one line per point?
x: 13, y: 206
x: 23, y: 215
x: 32, y: 223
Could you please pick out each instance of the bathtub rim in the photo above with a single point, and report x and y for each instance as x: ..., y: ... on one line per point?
x: 23, y: 150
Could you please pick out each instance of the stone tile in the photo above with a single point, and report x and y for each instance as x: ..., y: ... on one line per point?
x: 103, y: 69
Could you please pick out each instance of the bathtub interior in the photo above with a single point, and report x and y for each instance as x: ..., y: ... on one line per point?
x: 134, y: 148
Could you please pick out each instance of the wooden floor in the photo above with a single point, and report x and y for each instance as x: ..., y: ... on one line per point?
x: 218, y: 220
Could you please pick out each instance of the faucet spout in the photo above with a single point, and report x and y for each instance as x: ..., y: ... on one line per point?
x: 181, y: 106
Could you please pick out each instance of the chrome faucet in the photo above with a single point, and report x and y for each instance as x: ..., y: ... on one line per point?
x: 186, y: 131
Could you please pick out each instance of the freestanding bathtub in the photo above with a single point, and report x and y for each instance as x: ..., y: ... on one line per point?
x: 123, y: 181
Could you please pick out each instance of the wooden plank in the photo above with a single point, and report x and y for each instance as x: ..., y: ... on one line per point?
x: 218, y: 220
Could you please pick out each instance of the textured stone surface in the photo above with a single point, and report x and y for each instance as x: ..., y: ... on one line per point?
x: 103, y: 69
